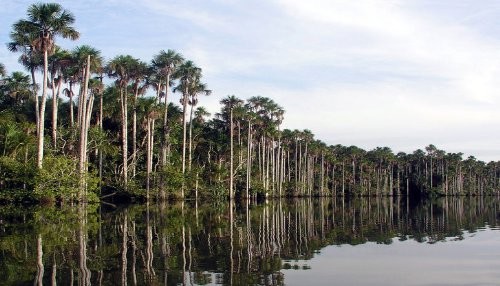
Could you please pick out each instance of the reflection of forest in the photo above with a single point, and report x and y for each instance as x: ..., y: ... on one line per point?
x: 187, y: 243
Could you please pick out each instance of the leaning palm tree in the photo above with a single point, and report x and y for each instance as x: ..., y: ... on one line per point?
x: 47, y: 20
x: 121, y: 68
x: 164, y: 65
x: 187, y: 73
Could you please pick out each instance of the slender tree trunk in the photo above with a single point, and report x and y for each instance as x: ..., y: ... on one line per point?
x: 100, y: 127
x: 149, y: 154
x: 231, y: 175
x: 184, y: 129
x: 164, y: 146
x: 41, y: 116
x: 123, y: 97
x: 134, y: 131
x: 37, y: 103
x: 71, y: 112
x: 249, y: 158
x: 55, y: 95
x: 190, y: 159
x: 84, y: 126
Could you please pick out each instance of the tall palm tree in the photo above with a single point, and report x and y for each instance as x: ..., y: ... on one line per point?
x: 229, y: 104
x: 196, y: 89
x: 139, y: 74
x: 187, y: 73
x: 47, y: 20
x: 80, y: 55
x: 121, y: 67
x: 165, y: 64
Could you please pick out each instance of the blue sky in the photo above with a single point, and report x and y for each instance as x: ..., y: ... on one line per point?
x: 396, y: 73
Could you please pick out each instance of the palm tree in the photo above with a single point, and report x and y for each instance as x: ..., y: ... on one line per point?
x: 17, y: 88
x: 139, y: 76
x: 47, y: 20
x: 80, y: 55
x: 23, y: 41
x: 187, y: 73
x: 196, y: 89
x: 229, y: 104
x: 165, y: 64
x: 121, y: 67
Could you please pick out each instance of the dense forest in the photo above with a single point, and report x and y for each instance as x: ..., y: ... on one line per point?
x: 125, y: 128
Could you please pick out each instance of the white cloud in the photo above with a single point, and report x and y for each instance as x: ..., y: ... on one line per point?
x: 401, y: 73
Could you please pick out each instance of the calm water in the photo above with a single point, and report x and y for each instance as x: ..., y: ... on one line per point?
x: 453, y: 241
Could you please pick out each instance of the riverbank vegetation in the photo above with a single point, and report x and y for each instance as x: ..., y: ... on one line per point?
x: 127, y: 128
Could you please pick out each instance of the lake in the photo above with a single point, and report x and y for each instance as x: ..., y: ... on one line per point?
x: 322, y: 241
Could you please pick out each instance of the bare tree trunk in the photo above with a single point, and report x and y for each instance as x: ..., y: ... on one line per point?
x: 231, y: 175
x: 41, y: 112
x: 84, y: 126
x: 249, y: 158
x: 149, y: 164
x: 134, y: 131
x: 184, y: 127
x: 123, y: 101
x: 100, y: 127
x: 71, y: 112
x: 37, y: 103
x: 55, y: 96
x: 190, y: 138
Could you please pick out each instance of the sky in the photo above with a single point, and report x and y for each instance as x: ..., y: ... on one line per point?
x: 397, y: 73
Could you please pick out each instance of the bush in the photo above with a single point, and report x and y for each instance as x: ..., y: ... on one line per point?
x: 60, y: 179
x: 15, y: 174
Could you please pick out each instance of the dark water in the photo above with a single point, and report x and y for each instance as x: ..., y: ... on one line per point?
x: 452, y: 241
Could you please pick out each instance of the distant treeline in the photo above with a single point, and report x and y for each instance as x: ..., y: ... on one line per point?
x: 113, y: 130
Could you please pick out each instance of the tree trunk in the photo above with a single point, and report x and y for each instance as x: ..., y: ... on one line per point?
x: 231, y: 175
x: 71, y: 113
x: 123, y: 97
x: 149, y: 159
x: 55, y: 96
x: 249, y: 158
x: 184, y: 127
x: 86, y: 112
x: 190, y: 159
x: 134, y: 131
x: 41, y: 112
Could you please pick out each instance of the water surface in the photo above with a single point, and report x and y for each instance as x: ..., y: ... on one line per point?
x: 370, y: 241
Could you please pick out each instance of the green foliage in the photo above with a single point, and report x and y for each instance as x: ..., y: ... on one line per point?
x: 218, y: 192
x: 15, y: 176
x: 59, y: 179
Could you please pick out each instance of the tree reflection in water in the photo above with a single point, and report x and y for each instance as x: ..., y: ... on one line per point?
x: 198, y: 244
